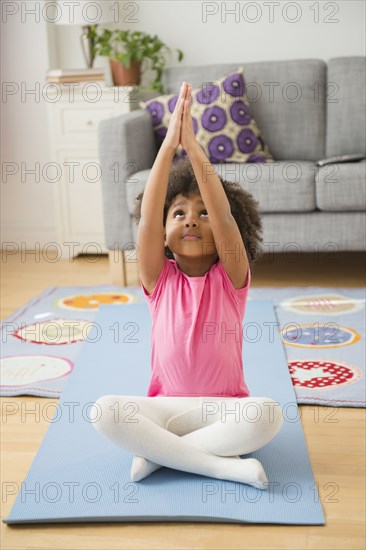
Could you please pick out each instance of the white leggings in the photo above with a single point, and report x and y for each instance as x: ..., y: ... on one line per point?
x: 201, y: 435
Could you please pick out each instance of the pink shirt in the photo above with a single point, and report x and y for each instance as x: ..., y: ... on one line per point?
x: 197, y: 333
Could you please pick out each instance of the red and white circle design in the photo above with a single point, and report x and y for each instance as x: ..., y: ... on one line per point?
x: 20, y: 370
x: 322, y: 375
x: 326, y: 304
x: 55, y: 332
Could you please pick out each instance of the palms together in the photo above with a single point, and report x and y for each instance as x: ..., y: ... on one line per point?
x: 180, y: 130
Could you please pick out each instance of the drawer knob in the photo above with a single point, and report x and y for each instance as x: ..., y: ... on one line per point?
x: 90, y: 123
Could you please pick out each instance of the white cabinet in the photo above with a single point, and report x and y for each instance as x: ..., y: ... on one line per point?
x: 74, y: 113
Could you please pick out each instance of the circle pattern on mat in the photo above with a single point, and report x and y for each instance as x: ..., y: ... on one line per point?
x: 328, y: 304
x: 21, y: 370
x: 93, y: 301
x: 317, y: 335
x: 322, y: 375
x: 54, y: 331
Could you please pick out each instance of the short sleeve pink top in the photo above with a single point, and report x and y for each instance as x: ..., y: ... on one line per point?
x: 197, y: 334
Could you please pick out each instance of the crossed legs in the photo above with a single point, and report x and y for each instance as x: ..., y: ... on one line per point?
x: 201, y: 435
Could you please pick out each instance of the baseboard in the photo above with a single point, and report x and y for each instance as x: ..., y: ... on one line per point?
x: 27, y: 237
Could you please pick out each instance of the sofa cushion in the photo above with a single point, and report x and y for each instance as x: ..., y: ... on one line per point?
x: 278, y: 186
x: 287, y: 99
x: 346, y: 106
x: 319, y: 233
x: 341, y: 187
x: 222, y: 121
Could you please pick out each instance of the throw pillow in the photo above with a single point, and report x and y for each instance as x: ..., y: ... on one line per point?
x: 222, y: 121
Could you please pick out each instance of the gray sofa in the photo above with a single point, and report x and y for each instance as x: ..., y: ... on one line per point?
x: 307, y: 110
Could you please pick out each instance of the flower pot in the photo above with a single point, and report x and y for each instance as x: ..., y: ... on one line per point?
x: 123, y: 76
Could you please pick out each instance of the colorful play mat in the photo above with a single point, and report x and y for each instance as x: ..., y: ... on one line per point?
x: 322, y: 331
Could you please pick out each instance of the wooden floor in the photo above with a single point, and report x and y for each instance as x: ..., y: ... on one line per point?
x: 336, y: 450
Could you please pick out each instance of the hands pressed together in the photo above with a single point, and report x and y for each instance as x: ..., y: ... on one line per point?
x: 180, y: 130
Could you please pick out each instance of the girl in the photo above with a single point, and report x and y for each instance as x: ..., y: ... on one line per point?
x: 197, y: 416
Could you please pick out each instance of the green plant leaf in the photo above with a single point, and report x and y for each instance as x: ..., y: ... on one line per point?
x: 126, y: 46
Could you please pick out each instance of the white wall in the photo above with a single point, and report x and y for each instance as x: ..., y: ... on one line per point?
x: 323, y: 30
x: 26, y: 207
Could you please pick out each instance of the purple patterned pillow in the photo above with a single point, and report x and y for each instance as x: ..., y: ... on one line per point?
x: 222, y: 121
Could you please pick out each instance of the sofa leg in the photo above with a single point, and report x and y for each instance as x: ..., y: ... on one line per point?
x: 117, y: 267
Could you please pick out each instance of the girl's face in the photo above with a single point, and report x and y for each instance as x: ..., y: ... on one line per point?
x: 189, y: 216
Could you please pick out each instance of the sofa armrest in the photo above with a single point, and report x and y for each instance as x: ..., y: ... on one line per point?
x: 126, y: 145
x: 340, y: 159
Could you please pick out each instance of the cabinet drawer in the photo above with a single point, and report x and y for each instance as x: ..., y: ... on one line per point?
x: 82, y: 121
x: 80, y: 197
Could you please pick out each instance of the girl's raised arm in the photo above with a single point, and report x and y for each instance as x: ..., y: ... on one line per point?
x: 224, y: 227
x: 150, y: 232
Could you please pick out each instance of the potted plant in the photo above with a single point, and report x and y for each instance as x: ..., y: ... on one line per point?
x: 131, y: 53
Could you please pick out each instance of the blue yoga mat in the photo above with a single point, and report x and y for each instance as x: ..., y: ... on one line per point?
x: 79, y: 476
x: 325, y: 348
